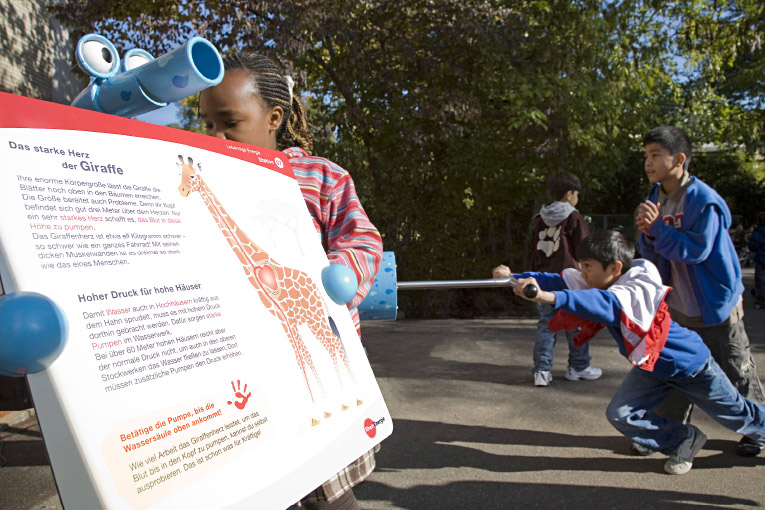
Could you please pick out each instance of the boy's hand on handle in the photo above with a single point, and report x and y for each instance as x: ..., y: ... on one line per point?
x: 501, y: 271
x: 528, y: 291
x: 541, y: 296
x: 648, y: 214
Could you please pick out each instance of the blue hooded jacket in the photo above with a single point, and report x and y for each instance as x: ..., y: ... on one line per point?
x: 704, y: 245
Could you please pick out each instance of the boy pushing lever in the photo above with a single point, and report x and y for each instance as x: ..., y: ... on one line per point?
x: 628, y: 298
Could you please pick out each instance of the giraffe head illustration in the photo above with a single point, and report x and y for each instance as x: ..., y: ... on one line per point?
x: 187, y: 176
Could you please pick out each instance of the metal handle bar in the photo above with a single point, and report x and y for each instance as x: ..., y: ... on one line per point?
x: 530, y: 291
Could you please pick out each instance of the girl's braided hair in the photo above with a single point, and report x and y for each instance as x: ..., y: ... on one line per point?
x: 272, y: 86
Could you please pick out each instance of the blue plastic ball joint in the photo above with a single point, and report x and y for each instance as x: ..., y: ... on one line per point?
x: 33, y: 332
x: 340, y: 283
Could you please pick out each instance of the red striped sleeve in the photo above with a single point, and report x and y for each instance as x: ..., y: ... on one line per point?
x: 348, y: 236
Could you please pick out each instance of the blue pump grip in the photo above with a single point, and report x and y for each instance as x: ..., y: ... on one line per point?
x: 33, y: 332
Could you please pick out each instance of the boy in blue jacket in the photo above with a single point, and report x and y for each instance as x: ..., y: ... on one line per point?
x: 628, y: 298
x: 684, y: 232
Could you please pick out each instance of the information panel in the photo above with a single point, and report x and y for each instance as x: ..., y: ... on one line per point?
x: 206, y: 367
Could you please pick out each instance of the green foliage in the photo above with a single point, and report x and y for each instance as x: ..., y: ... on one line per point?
x: 734, y: 175
x: 450, y: 114
x: 188, y: 114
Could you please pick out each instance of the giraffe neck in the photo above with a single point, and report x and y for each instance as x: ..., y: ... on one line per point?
x: 236, y: 237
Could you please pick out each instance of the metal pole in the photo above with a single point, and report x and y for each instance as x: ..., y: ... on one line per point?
x: 508, y: 281
x: 530, y: 291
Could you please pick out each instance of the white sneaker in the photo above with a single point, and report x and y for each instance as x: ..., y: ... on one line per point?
x: 588, y: 374
x: 542, y: 378
x: 682, y: 461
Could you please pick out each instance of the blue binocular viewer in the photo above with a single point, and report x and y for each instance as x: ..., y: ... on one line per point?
x: 33, y: 330
x: 139, y: 83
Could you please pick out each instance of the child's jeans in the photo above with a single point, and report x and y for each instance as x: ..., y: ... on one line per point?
x: 631, y: 411
x: 578, y: 359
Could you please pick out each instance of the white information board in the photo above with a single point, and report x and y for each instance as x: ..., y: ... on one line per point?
x: 205, y: 367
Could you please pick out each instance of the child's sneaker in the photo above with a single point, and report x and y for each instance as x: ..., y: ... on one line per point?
x: 643, y: 451
x: 588, y: 374
x: 682, y: 461
x: 542, y: 378
x: 749, y: 447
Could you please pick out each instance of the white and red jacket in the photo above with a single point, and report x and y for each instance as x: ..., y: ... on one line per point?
x: 634, y: 312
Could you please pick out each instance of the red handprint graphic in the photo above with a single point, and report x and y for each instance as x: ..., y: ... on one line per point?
x: 240, y: 394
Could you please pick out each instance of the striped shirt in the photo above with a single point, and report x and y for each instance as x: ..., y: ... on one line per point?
x: 346, y: 233
x: 349, y: 238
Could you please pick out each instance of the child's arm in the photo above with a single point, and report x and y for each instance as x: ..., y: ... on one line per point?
x: 592, y: 304
x: 689, y: 246
x: 352, y: 240
x: 544, y: 281
x: 645, y: 241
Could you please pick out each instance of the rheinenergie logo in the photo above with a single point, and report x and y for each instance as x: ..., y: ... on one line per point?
x: 370, y: 427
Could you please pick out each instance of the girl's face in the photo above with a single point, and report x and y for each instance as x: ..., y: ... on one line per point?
x: 234, y: 110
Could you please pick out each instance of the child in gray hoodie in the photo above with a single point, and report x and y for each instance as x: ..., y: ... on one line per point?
x: 556, y: 232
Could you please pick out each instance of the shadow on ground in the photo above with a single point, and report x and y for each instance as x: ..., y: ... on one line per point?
x: 29, y: 452
x: 496, y: 495
x: 425, y: 445
x: 431, y: 445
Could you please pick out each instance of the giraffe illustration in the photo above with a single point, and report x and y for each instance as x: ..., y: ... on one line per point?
x: 289, y: 294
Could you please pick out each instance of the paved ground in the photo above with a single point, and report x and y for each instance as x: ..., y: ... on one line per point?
x: 472, y: 432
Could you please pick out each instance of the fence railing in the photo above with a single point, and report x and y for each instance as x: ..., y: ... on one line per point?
x: 625, y: 223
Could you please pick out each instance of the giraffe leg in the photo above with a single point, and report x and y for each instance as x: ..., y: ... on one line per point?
x: 327, y: 414
x: 303, y: 358
x: 326, y: 331
x: 297, y: 348
x: 302, y: 355
x: 306, y: 355
x: 328, y: 335
x: 344, y: 357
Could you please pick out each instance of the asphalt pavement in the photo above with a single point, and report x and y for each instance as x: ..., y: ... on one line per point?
x: 472, y: 432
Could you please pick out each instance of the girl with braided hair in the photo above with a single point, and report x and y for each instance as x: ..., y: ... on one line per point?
x: 255, y: 104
